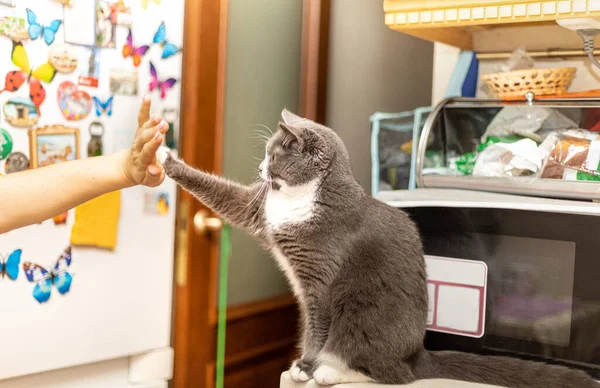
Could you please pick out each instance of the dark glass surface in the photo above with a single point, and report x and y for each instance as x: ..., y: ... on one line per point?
x: 543, y: 296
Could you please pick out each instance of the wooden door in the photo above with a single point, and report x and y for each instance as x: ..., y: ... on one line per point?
x: 260, y: 336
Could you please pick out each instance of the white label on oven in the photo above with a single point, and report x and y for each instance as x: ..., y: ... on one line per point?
x: 457, y: 290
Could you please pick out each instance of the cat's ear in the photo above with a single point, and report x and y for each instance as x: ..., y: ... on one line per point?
x: 289, y: 118
x: 293, y: 136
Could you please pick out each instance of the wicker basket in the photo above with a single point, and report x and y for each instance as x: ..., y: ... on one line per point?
x: 540, y: 81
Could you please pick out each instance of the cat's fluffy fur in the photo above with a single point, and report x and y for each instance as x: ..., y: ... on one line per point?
x: 355, y: 265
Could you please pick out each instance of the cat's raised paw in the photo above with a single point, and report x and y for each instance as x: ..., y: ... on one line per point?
x: 297, y: 374
x: 162, y: 154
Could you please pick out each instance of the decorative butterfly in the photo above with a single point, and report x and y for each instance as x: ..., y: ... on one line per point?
x: 44, y: 279
x: 36, y: 29
x: 16, y: 78
x: 145, y: 3
x: 136, y: 53
x: 169, y: 49
x: 105, y: 106
x: 155, y: 83
x: 10, y: 266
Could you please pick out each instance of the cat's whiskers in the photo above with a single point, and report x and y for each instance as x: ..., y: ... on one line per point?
x: 259, y: 193
x: 268, y: 187
x: 262, y: 133
x: 264, y: 126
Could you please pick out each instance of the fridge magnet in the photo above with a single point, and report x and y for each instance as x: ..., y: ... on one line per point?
x: 170, y: 115
x: 155, y: 83
x: 53, y: 144
x: 136, y: 53
x: 61, y: 219
x: 10, y: 266
x: 65, y: 2
x: 105, y: 28
x: 96, y: 222
x: 14, y: 28
x: 156, y: 203
x: 103, y: 107
x: 89, y: 76
x: 20, y: 112
x: 121, y: 14
x: 63, y: 57
x: 95, y: 147
x: 145, y: 3
x: 160, y: 38
x: 44, y: 278
x: 37, y: 30
x: 75, y: 104
x: 16, y: 78
x: 124, y: 82
x: 8, y: 3
x: 6, y: 143
x: 16, y: 162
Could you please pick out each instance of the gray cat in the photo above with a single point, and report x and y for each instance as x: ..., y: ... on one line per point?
x: 355, y: 265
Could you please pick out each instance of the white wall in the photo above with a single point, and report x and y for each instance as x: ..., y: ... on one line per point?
x: 371, y: 68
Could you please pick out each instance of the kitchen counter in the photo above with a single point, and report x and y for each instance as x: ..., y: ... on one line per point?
x: 287, y: 382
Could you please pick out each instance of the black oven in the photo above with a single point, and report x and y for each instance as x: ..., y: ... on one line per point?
x: 543, y: 277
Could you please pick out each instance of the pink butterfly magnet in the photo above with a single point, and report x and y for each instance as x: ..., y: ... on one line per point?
x: 163, y: 86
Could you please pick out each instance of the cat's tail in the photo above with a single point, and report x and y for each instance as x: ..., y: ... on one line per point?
x: 500, y: 371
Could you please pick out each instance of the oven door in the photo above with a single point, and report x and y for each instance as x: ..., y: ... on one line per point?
x: 543, y: 274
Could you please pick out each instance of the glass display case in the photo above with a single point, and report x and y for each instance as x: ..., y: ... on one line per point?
x: 548, y: 147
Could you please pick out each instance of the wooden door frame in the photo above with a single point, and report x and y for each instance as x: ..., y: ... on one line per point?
x: 202, y: 105
x: 316, y: 19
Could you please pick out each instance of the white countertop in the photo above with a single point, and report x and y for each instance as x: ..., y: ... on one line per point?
x: 479, y: 199
x: 287, y: 382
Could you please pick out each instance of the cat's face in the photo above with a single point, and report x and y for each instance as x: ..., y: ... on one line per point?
x: 299, y: 152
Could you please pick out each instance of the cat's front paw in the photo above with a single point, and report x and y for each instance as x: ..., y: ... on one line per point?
x: 162, y: 154
x: 326, y: 375
x: 300, y: 371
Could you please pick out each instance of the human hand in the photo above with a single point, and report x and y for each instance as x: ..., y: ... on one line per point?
x: 139, y: 164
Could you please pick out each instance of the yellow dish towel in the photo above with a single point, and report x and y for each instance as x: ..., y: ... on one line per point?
x: 97, y: 222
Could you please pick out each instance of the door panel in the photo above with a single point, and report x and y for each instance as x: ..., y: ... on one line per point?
x: 264, y: 41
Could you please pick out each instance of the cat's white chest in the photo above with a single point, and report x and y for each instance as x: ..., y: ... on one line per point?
x: 290, y: 205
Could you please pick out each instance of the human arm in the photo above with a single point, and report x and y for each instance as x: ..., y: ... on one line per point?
x: 36, y: 195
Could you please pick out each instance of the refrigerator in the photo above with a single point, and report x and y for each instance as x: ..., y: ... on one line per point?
x: 89, y: 59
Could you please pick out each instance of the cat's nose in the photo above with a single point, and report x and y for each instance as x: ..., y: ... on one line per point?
x: 261, y: 166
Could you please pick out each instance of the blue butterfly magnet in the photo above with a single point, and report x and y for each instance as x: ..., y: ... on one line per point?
x: 10, y: 266
x: 36, y: 29
x: 105, y: 106
x: 169, y: 49
x: 43, y: 279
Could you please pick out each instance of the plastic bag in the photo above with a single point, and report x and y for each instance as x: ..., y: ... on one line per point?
x: 521, y: 158
x: 571, y: 155
x: 466, y: 162
x: 519, y: 60
x: 531, y: 122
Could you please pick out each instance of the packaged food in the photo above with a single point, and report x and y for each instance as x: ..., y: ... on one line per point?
x: 571, y: 155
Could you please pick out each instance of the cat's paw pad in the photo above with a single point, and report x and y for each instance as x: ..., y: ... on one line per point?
x: 162, y: 154
x: 297, y: 374
x: 326, y: 375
